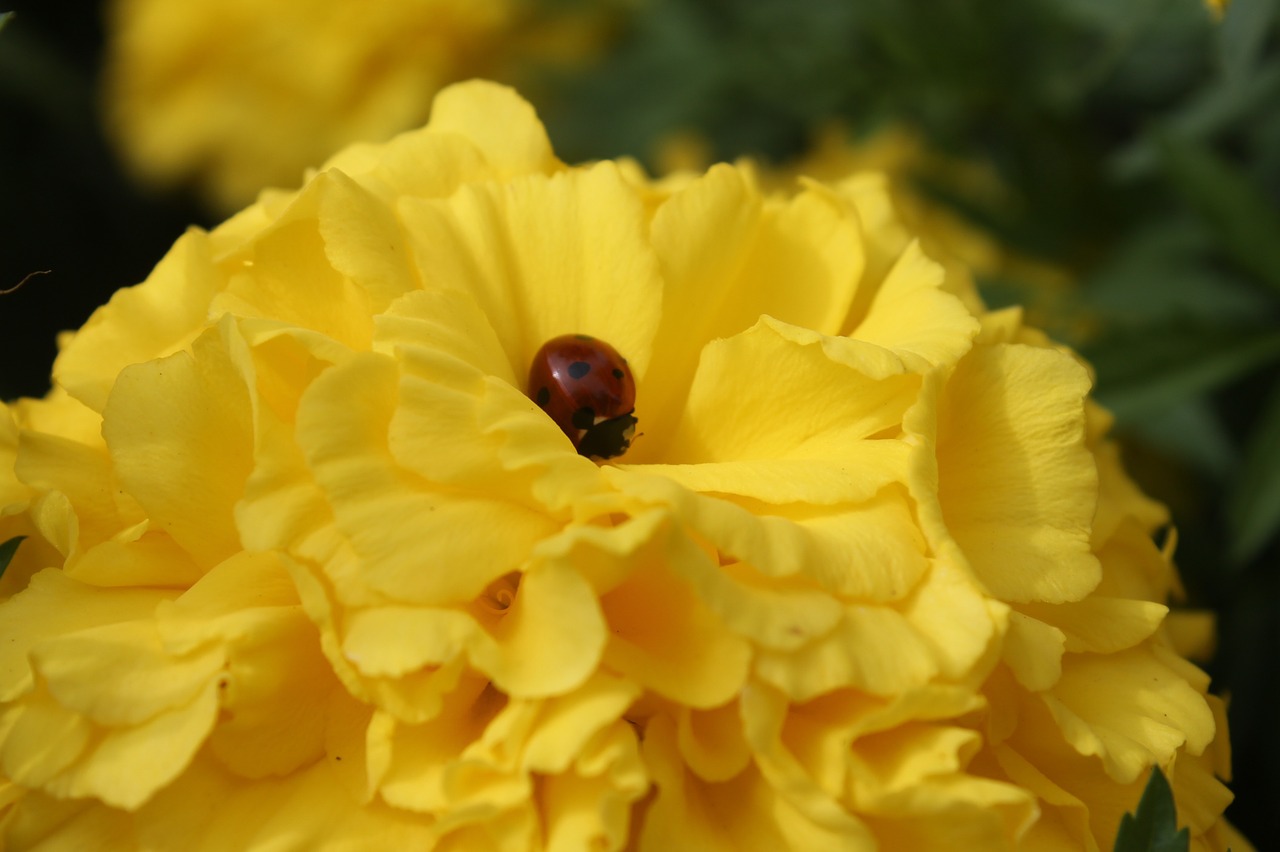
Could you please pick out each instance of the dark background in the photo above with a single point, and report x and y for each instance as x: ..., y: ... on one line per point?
x: 1139, y: 141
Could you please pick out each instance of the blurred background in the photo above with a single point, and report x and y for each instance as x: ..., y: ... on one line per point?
x: 1114, y: 166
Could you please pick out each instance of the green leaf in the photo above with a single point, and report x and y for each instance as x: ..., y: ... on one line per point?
x: 1242, y: 34
x: 1191, y: 430
x: 1162, y: 273
x: 1244, y: 218
x: 1147, y: 370
x: 1154, y: 826
x: 1253, y: 509
x: 7, y: 550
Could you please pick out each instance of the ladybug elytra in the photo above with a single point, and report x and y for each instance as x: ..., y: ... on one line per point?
x: 586, y: 387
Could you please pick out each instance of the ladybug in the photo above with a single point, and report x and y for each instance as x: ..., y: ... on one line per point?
x: 586, y: 387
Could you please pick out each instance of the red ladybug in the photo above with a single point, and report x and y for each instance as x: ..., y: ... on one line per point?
x: 587, y: 389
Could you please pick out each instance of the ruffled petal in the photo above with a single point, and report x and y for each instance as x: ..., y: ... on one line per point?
x: 1130, y: 710
x: 729, y: 256
x: 499, y: 122
x: 654, y: 652
x: 1013, y: 480
x: 915, y: 318
x: 55, y: 605
x: 156, y: 318
x: 181, y: 439
x: 544, y: 257
x: 442, y: 550
x: 778, y: 391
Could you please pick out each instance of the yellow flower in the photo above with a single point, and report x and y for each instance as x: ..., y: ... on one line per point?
x: 900, y: 158
x: 310, y: 570
x: 235, y: 95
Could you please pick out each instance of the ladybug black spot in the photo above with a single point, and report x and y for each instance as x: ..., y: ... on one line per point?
x: 584, y: 418
x: 617, y: 374
x: 543, y: 397
x: 578, y: 369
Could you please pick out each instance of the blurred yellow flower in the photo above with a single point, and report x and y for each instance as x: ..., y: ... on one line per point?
x: 230, y: 96
x: 310, y: 570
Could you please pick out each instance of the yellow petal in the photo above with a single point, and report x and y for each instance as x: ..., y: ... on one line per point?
x: 728, y: 257
x: 180, y: 434
x: 1128, y: 709
x: 130, y: 764
x: 273, y: 696
x: 363, y: 241
x: 744, y: 814
x: 48, y: 746
x: 711, y: 742
x: 440, y: 549
x: 390, y: 641
x: 840, y: 549
x: 462, y: 416
x: 44, y: 822
x: 423, y: 761
x: 1016, y: 486
x: 1064, y: 819
x: 82, y: 474
x: 12, y: 492
x: 654, y: 618
x: 39, y: 739
x: 1119, y: 497
x: 854, y: 655
x: 778, y: 391
x: 915, y: 318
x: 961, y: 624
x: 500, y: 123
x: 544, y: 257
x: 566, y: 724
x: 863, y: 469
x: 33, y: 555
x: 581, y: 812
x: 208, y: 809
x: 423, y: 163
x: 55, y: 605
x: 1033, y: 651
x: 151, y: 320
x: 1098, y: 624
x: 263, y: 276
x: 551, y: 638
x: 120, y: 674
x: 962, y: 813
x: 137, y: 556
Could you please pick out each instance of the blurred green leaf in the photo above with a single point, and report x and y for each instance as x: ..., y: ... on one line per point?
x: 1253, y: 509
x: 1191, y: 430
x: 1215, y: 107
x: 1141, y: 372
x: 1162, y: 274
x: 1153, y: 827
x: 1242, y: 34
x: 10, y: 547
x: 1246, y: 221
x: 4, y: 18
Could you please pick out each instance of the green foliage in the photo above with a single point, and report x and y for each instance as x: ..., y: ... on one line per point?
x: 1254, y: 510
x: 1245, y: 221
x: 1154, y: 826
x: 7, y: 550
